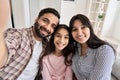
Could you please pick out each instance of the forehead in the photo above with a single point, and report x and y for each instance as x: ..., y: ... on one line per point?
x: 62, y: 31
x: 77, y: 23
x: 51, y: 17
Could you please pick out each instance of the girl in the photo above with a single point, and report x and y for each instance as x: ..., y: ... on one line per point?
x: 55, y: 63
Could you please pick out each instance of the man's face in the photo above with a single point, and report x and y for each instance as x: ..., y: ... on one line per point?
x: 45, y: 25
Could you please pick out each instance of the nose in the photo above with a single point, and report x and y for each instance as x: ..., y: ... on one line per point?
x: 79, y: 31
x: 61, y: 39
x: 48, y: 28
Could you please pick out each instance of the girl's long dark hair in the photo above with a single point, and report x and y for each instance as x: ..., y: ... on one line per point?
x: 67, y: 51
x: 93, y: 42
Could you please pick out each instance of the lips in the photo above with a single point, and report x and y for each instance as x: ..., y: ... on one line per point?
x: 44, y: 32
x: 60, y: 44
x: 79, y: 37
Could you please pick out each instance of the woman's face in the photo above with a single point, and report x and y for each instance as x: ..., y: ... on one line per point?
x: 80, y: 32
x: 61, y: 39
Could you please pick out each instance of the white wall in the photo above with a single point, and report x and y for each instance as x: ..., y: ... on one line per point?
x: 117, y: 23
x: 53, y: 4
x: 68, y: 9
x: 36, y: 6
x: 111, y: 22
x: 63, y: 7
x: 21, y: 13
x: 9, y: 25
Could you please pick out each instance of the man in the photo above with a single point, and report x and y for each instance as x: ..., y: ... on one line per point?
x: 25, y: 45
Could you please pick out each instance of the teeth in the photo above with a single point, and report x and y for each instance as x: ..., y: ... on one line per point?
x: 59, y: 44
x: 79, y: 37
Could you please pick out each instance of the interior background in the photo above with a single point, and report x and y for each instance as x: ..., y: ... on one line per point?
x: 25, y: 12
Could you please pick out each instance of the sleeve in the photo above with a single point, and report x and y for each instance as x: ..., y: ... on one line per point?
x: 68, y: 75
x: 12, y: 39
x: 103, y: 66
x: 10, y: 43
x: 45, y: 72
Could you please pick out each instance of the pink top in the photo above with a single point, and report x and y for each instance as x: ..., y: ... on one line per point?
x: 54, y: 68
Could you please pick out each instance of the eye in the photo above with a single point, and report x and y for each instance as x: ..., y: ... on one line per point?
x: 66, y: 37
x: 57, y: 35
x: 74, y: 29
x: 45, y: 20
x: 53, y: 26
x: 83, y: 26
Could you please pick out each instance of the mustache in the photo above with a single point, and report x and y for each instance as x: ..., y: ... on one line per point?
x: 42, y: 28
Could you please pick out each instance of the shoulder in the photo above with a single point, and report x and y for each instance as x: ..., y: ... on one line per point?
x: 15, y: 32
x: 12, y: 34
x: 46, y: 58
x: 105, y: 50
x: 12, y: 31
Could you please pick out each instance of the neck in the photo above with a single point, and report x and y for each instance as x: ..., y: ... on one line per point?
x: 84, y: 49
x: 58, y: 53
x: 84, y: 45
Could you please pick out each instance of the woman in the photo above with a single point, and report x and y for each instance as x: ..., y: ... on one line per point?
x: 55, y: 63
x: 93, y: 58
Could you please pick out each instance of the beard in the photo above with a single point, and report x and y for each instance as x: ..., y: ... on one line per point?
x: 37, y: 28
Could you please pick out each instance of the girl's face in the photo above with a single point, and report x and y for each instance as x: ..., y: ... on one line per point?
x: 61, y: 39
x: 80, y: 32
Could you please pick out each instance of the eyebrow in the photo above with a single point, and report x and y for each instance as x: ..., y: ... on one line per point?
x: 49, y: 20
x: 60, y: 34
x: 46, y: 18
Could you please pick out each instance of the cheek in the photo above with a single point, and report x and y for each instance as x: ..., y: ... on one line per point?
x: 41, y: 23
x: 67, y: 41
x: 52, y: 30
x: 55, y: 39
x: 88, y: 32
x: 73, y: 34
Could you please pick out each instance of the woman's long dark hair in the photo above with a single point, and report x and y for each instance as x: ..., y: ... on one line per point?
x: 51, y: 48
x: 93, y: 42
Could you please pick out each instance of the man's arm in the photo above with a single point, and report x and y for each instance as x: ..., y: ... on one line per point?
x: 4, y: 16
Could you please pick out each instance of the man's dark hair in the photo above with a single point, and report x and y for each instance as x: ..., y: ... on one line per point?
x: 49, y: 10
